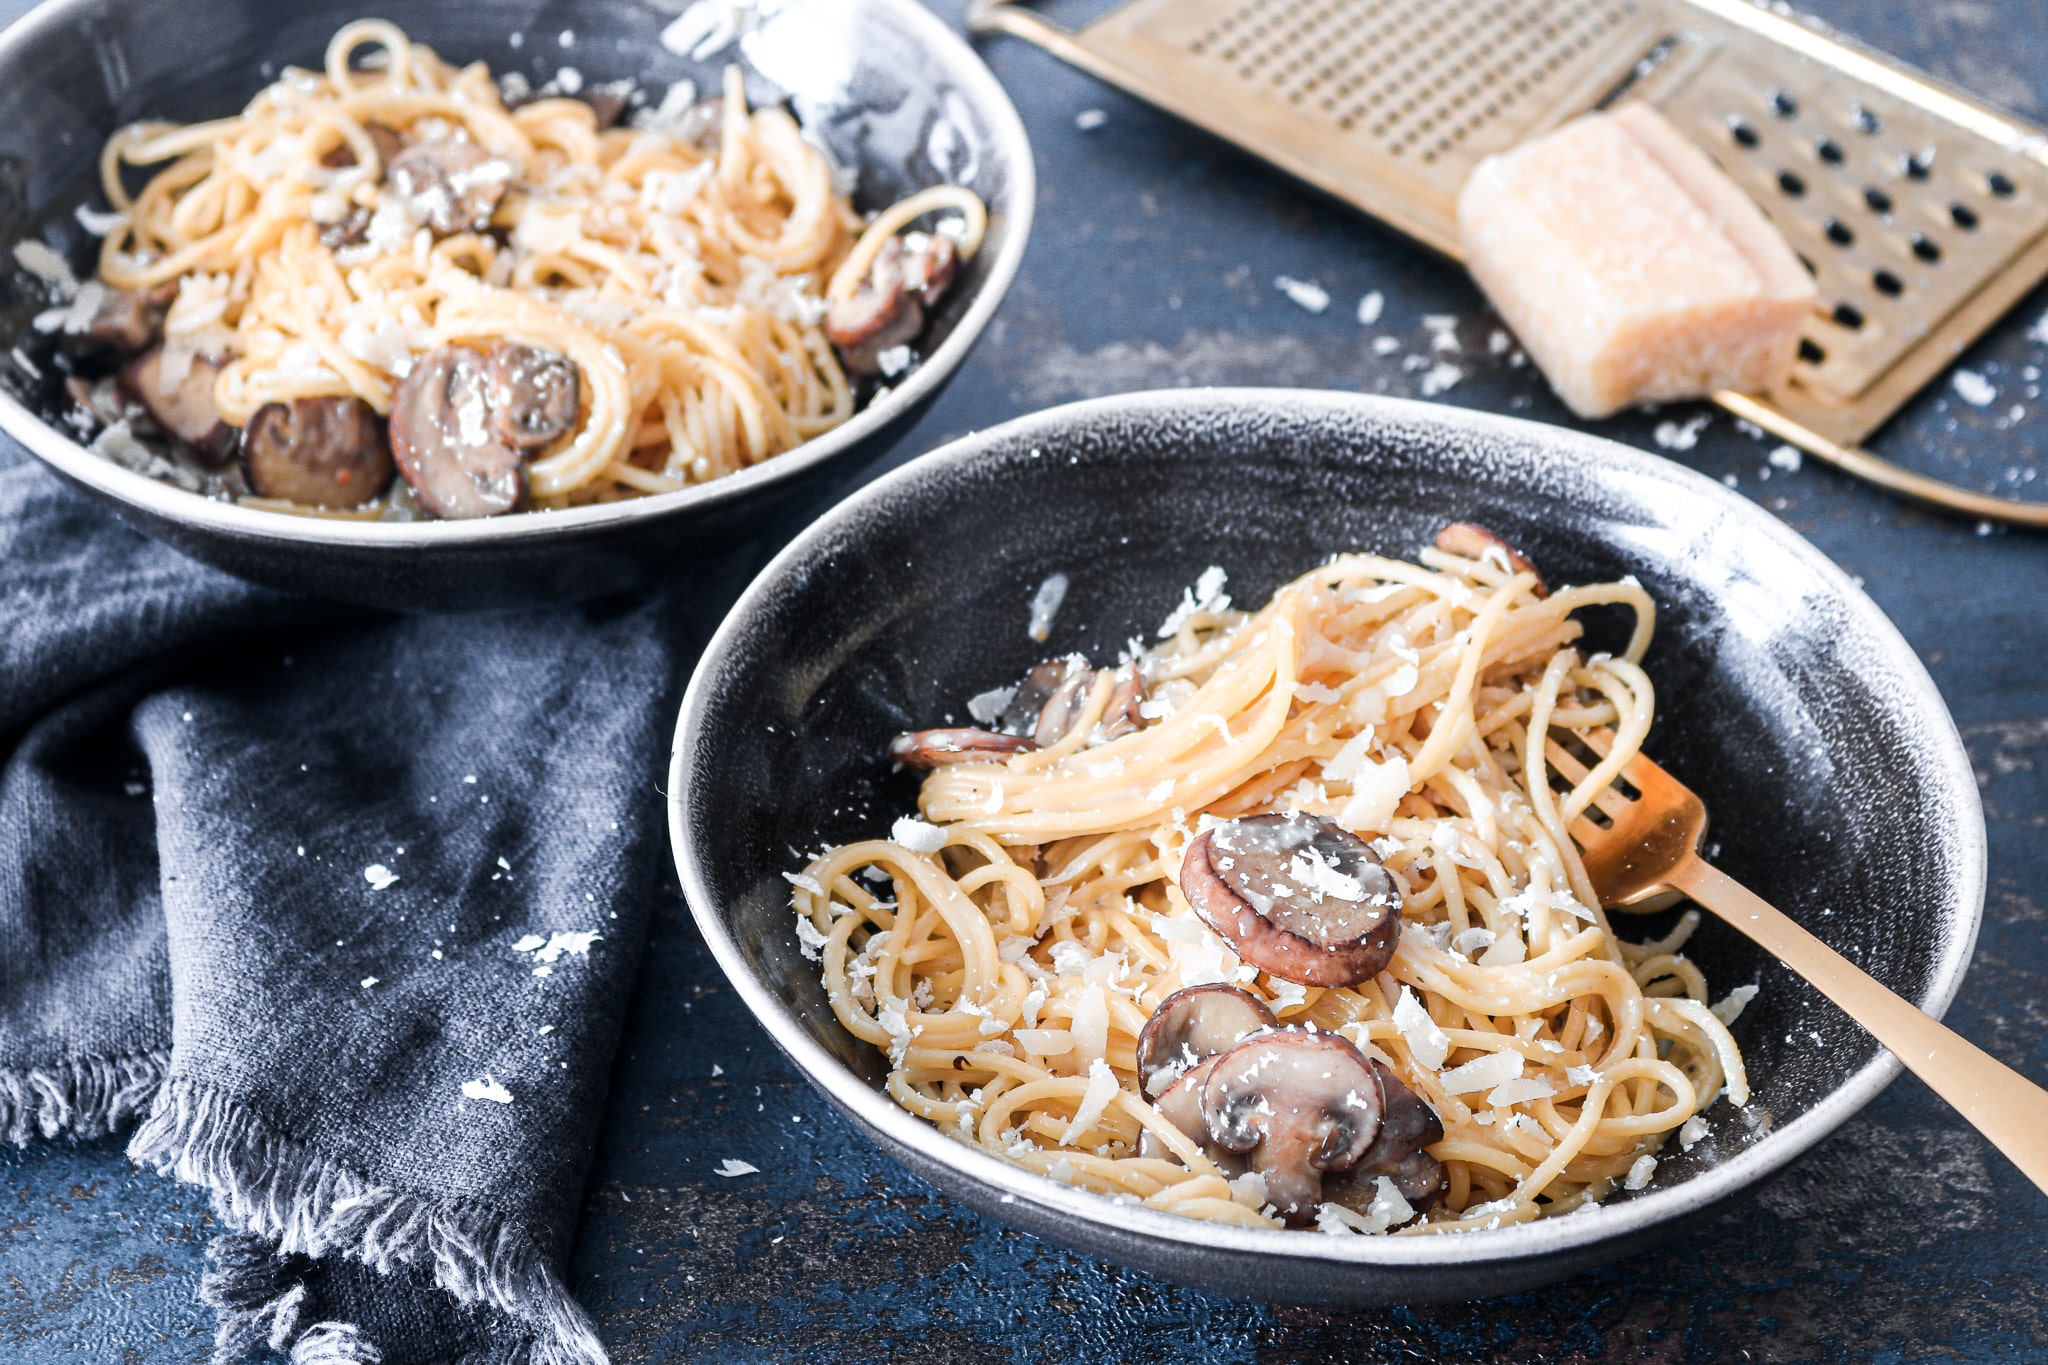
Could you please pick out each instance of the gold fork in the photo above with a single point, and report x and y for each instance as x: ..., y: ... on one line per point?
x: 1650, y: 852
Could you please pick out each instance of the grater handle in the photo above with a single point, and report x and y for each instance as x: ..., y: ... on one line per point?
x: 1894, y: 478
x: 1008, y: 16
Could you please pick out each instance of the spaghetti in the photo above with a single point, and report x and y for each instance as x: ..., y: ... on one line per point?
x: 352, y: 220
x: 1007, y: 955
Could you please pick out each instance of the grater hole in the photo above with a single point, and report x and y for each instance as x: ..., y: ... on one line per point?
x: 1925, y: 247
x: 1999, y: 185
x: 1887, y: 284
x: 1810, y: 351
x: 1879, y: 201
x: 1865, y: 120
x: 1782, y: 104
x: 1963, y: 216
x: 1744, y: 135
x: 1848, y: 315
x: 1838, y: 232
x: 1791, y: 184
x: 1828, y: 150
x: 1917, y: 165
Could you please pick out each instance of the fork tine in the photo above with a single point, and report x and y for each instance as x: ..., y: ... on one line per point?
x: 1585, y: 833
x: 1641, y: 773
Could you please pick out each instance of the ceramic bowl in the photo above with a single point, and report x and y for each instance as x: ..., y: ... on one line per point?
x: 1837, y: 784
x: 891, y: 90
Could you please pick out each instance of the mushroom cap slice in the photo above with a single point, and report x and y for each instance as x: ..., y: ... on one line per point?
x: 926, y: 749
x: 534, y: 395
x: 1192, y: 1025
x: 442, y: 437
x: 1407, y: 1126
x: 931, y: 261
x: 451, y: 184
x: 880, y: 314
x: 323, y: 452
x: 1298, y: 1104
x: 1296, y: 896
x: 1121, y: 715
x: 185, y: 409
x: 1470, y: 540
x: 1180, y: 1104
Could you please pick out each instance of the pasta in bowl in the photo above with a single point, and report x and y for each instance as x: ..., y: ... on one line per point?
x: 1083, y: 952
x: 419, y: 282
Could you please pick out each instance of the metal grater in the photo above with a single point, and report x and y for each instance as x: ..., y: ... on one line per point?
x: 1923, y: 213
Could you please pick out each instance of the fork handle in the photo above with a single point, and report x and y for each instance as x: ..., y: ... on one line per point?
x: 2005, y: 1106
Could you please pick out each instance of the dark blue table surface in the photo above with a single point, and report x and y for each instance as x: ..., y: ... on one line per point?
x: 1905, y: 1237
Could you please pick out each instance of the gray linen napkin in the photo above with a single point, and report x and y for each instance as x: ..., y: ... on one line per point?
x: 344, y: 907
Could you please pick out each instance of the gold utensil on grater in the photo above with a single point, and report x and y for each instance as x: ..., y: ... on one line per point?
x: 1922, y: 212
x: 1643, y: 848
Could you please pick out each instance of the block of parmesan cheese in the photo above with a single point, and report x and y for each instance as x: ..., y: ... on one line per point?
x: 1632, y: 269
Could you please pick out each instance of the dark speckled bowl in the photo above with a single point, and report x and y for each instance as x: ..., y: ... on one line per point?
x: 1837, y: 784
x: 892, y: 91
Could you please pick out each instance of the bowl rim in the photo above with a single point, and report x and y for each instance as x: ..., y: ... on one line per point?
x: 157, y: 499
x: 1637, y: 1217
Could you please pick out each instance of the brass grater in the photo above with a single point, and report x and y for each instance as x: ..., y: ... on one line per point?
x: 1922, y: 212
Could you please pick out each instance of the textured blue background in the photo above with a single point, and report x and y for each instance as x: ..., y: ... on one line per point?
x: 1904, y: 1238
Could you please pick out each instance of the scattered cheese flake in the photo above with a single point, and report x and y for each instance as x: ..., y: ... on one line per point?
x: 528, y: 943
x: 804, y: 882
x: 1370, y: 306
x: 1305, y: 293
x: 1442, y: 378
x: 1730, y: 1009
x: 917, y: 836
x: 1485, y: 1073
x: 1376, y: 789
x: 1520, y: 1091
x: 1582, y: 1075
x: 1045, y: 605
x: 1207, y: 596
x: 988, y: 707
x: 379, y: 876
x: 369, y: 981
x: 1691, y: 1131
x: 1088, y: 120
x: 709, y: 27
x: 1974, y: 388
x: 732, y: 1167
x: 1639, y: 1174
x: 1102, y: 1088
x: 1681, y: 435
x: 1786, y: 457
x: 1427, y: 1043
x: 486, y: 1089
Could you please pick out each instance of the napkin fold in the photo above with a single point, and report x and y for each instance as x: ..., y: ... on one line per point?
x: 344, y: 907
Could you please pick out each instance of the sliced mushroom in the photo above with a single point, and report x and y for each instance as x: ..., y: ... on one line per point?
x: 1296, y: 896
x: 1192, y: 1025
x: 882, y: 313
x: 1121, y: 715
x: 1026, y: 706
x: 1062, y: 710
x: 1407, y: 1126
x: 351, y: 229
x: 1181, y: 1105
x: 607, y: 102
x: 129, y: 320
x: 1298, y: 1104
x: 926, y: 749
x: 1469, y: 540
x: 450, y: 184
x: 533, y: 395
x: 323, y: 452
x: 185, y: 409
x: 388, y: 141
x: 442, y: 436
x: 931, y: 261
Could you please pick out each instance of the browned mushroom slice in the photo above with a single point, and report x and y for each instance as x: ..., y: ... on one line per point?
x: 882, y: 313
x: 1470, y: 540
x: 1298, y: 1104
x: 129, y: 320
x: 441, y: 436
x: 185, y: 409
x: 323, y: 452
x: 930, y: 263
x: 1407, y: 1126
x: 1063, y: 709
x: 926, y: 749
x: 1121, y: 715
x: 1296, y: 896
x: 451, y: 184
x: 1026, y: 705
x: 1192, y: 1025
x: 607, y: 102
x: 533, y: 395
x: 1181, y: 1105
x: 388, y: 141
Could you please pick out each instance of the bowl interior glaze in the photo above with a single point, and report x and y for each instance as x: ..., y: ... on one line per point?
x: 1836, y: 782
x: 896, y: 96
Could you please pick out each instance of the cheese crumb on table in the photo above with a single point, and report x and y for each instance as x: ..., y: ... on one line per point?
x: 1630, y: 267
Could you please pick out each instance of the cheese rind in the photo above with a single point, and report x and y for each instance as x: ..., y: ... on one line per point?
x: 1632, y: 269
